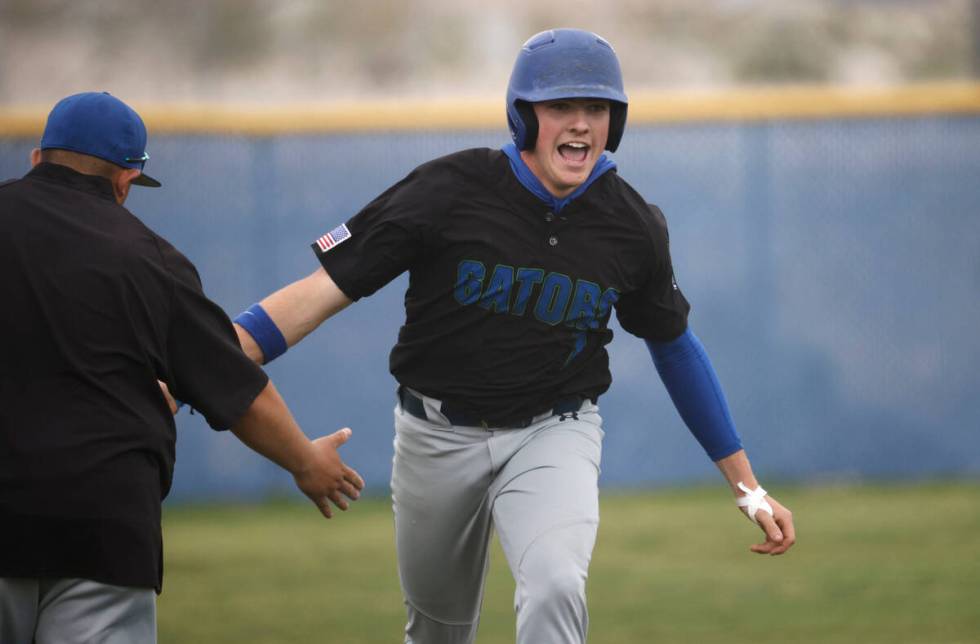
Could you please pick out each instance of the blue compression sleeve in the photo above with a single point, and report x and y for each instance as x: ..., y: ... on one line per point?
x: 264, y: 331
x: 693, y: 385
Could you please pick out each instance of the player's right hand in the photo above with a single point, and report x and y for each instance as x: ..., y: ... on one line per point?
x: 326, y: 478
x: 171, y: 401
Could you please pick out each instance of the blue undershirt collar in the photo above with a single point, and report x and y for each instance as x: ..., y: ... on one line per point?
x: 532, y: 183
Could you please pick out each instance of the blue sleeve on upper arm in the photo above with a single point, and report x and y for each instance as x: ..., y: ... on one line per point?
x: 693, y: 385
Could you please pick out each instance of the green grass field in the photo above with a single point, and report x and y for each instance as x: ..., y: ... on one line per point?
x: 895, y: 564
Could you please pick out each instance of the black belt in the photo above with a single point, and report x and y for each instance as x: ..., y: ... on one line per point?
x: 416, y: 407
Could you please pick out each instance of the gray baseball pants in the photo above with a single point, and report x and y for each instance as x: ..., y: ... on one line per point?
x: 75, y: 611
x: 537, y: 487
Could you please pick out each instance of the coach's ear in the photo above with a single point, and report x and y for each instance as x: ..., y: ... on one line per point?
x: 35, y: 156
x: 121, y: 182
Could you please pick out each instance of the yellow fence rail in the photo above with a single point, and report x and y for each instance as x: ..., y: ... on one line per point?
x: 646, y: 107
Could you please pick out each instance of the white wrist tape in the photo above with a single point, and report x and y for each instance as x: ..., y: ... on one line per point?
x: 753, y: 501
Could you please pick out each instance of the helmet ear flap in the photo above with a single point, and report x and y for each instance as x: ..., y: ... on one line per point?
x: 617, y: 123
x: 525, y: 112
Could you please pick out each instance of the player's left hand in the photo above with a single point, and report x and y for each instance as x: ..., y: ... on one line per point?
x: 779, y: 530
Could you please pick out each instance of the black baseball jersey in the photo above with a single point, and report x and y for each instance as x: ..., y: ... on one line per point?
x: 508, y: 303
x: 97, y: 308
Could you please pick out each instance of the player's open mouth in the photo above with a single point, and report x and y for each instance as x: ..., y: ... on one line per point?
x: 575, y: 152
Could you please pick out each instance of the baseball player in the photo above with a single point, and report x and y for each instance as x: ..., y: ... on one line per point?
x: 517, y: 258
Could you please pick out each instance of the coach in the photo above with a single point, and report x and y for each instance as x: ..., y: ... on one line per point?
x: 96, y: 309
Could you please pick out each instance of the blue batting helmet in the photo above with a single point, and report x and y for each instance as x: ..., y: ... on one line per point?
x: 564, y: 63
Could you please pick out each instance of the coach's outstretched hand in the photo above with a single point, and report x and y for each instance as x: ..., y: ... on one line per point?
x: 326, y: 477
x: 268, y: 427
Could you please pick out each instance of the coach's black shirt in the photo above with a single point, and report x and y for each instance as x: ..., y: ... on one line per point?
x: 96, y: 309
x: 508, y: 303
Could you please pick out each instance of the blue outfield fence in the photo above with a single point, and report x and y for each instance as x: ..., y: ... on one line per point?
x: 833, y: 266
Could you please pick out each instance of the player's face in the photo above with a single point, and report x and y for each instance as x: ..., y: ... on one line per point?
x: 572, y: 134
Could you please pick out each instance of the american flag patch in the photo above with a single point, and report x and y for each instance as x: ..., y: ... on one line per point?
x: 334, y: 237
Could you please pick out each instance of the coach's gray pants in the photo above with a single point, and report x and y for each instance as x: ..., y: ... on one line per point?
x: 538, y: 487
x: 75, y: 611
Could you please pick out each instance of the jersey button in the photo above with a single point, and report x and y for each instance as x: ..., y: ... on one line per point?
x: 552, y: 241
x: 549, y: 217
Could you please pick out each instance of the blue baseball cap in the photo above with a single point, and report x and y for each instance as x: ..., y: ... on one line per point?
x: 100, y: 125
